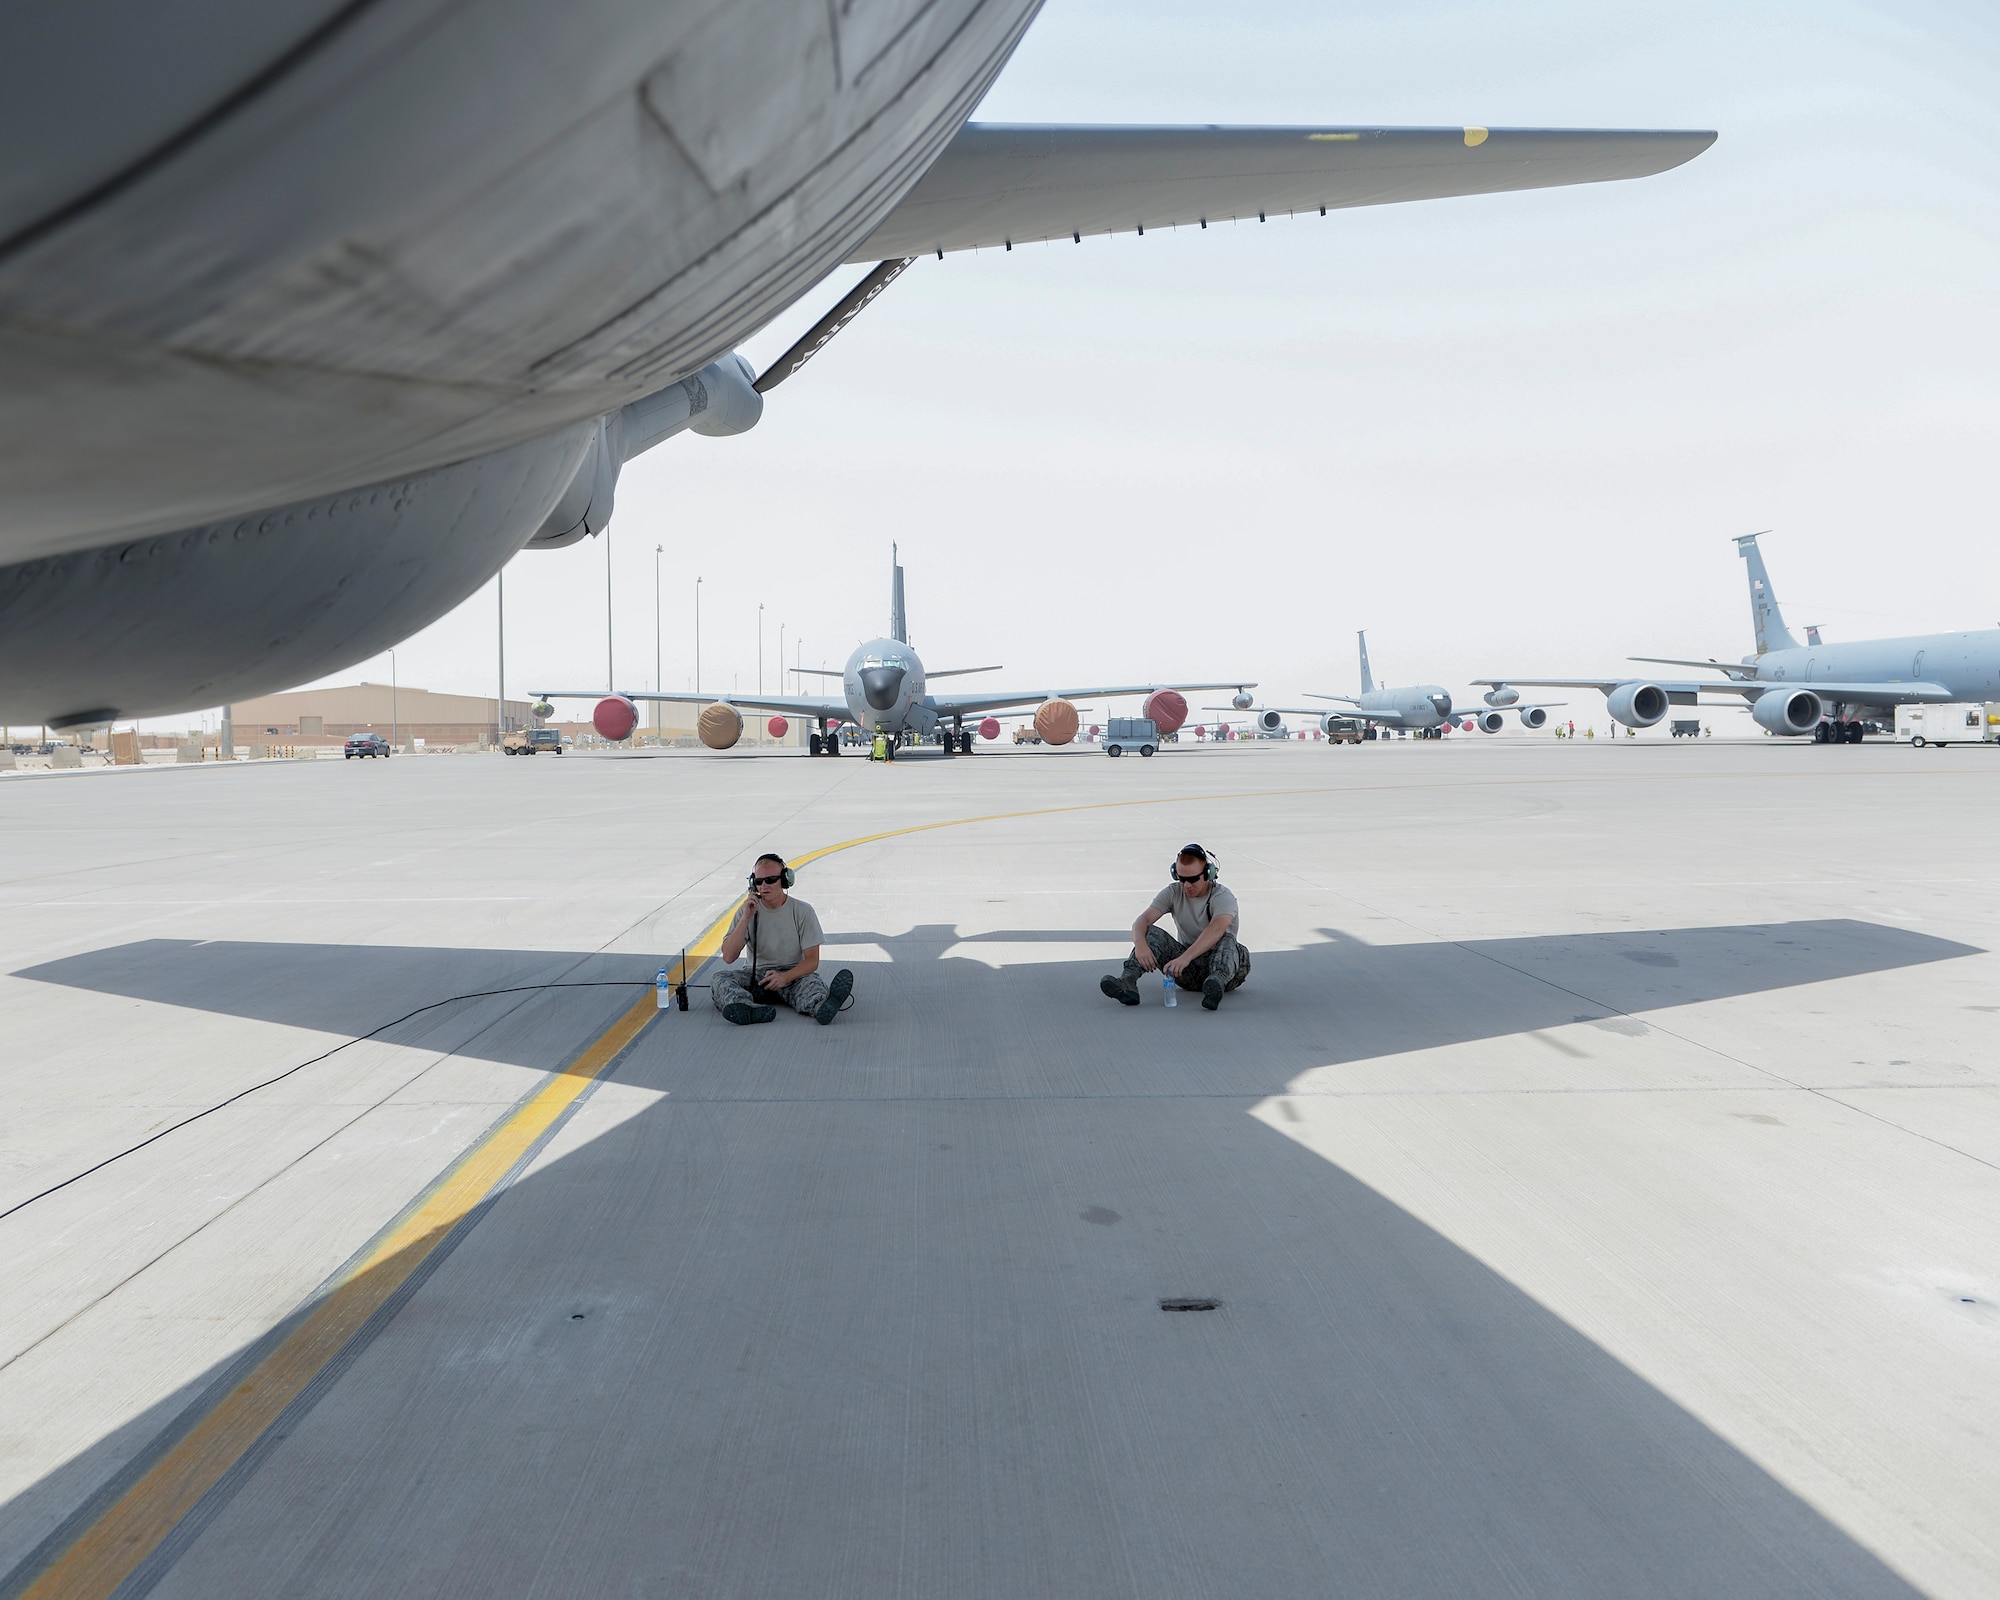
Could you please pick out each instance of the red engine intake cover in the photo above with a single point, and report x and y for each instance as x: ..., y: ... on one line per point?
x: 614, y: 717
x: 777, y: 725
x: 990, y: 728
x: 1167, y: 708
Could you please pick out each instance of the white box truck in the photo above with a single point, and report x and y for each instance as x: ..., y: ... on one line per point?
x: 1959, y: 722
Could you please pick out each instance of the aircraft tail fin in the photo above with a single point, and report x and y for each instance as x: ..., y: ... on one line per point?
x: 1367, y: 678
x: 899, y: 622
x: 1765, y: 618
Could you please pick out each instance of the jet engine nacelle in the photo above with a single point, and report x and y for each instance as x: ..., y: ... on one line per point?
x: 1167, y: 708
x: 1790, y: 712
x: 1501, y: 695
x: 1489, y: 721
x: 542, y: 708
x: 1637, y: 705
x: 1534, y: 717
x: 1056, y: 721
x: 1241, y: 700
x: 719, y: 726
x: 1269, y: 721
x: 614, y: 717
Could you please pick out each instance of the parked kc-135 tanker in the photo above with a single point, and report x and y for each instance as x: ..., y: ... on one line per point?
x: 884, y: 690
x: 1417, y: 708
x: 312, y: 316
x: 1827, y: 690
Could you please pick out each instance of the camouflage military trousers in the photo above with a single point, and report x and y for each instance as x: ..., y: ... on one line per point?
x: 1225, y: 959
x: 731, y: 984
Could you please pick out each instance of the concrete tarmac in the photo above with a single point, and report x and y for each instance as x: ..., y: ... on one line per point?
x: 1598, y: 1179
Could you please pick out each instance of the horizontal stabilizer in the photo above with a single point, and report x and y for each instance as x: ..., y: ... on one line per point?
x: 1002, y: 184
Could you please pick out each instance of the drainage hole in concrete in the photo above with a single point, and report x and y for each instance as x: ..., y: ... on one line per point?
x: 1189, y: 1305
x: 576, y: 1316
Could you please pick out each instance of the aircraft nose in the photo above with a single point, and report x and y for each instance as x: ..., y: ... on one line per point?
x: 1443, y: 704
x: 881, y: 685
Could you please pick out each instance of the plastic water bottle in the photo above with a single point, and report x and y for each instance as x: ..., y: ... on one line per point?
x: 663, y: 992
x: 1169, y: 990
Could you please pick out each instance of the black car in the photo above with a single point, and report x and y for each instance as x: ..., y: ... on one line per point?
x: 365, y: 744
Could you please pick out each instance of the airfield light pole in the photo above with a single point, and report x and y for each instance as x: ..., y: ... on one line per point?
x: 395, y: 738
x: 697, y: 634
x: 659, y: 683
x: 610, y: 671
x: 500, y: 628
x: 760, y: 647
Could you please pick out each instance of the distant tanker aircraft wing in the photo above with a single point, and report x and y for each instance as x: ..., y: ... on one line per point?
x: 788, y: 704
x: 969, y: 704
x: 1002, y: 184
x: 1341, y: 708
x: 1883, y: 693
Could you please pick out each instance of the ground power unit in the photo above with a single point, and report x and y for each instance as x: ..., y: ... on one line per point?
x: 1959, y: 722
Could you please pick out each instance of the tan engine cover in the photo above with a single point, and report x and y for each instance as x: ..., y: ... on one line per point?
x: 720, y: 726
x: 1055, y: 721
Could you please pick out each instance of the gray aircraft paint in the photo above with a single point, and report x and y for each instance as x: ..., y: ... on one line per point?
x: 305, y: 254
x: 884, y: 687
x: 1966, y: 665
x: 1418, y: 706
x: 1846, y: 682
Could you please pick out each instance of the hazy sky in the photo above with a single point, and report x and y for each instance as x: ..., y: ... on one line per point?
x: 1512, y: 433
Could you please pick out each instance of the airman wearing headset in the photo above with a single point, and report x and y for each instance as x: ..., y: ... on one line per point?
x: 783, y: 935
x: 1208, y: 954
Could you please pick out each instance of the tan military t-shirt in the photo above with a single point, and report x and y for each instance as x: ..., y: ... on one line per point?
x: 1191, y: 916
x: 782, y: 936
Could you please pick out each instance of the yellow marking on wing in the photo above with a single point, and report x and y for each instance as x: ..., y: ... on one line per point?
x: 1475, y: 136
x: 1318, y: 138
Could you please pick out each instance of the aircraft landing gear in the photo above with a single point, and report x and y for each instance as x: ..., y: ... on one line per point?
x: 964, y: 743
x: 815, y: 743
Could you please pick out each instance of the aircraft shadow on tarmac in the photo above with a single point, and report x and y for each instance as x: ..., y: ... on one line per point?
x: 931, y: 1018
x: 873, y: 1309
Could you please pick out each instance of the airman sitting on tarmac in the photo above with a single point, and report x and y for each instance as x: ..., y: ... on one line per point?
x: 1208, y: 954
x: 783, y: 935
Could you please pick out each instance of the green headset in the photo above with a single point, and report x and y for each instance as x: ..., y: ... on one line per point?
x: 1174, y: 866
x: 791, y: 877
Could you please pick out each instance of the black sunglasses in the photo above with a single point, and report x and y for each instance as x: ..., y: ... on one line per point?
x: 1195, y: 879
x: 761, y: 882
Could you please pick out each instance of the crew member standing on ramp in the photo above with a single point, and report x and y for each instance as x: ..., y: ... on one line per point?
x: 783, y: 936
x: 1207, y: 956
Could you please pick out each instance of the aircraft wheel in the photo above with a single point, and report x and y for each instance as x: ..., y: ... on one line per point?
x: 813, y: 744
